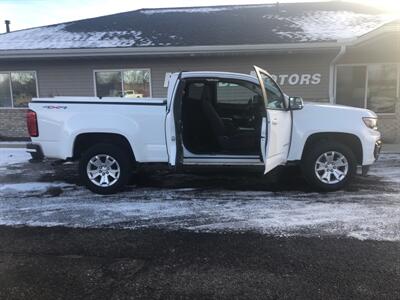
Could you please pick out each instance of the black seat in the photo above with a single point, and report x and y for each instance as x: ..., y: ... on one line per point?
x: 228, y: 137
x: 218, y: 126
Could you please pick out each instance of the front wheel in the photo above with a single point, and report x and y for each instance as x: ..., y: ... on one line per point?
x: 104, y: 168
x: 329, y: 166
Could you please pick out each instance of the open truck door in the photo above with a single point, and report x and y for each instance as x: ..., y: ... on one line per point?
x: 172, y: 134
x: 276, y: 124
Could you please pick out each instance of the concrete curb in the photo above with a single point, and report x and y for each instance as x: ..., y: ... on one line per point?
x: 13, y: 144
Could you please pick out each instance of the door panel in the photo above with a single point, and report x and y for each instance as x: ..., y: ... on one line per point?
x: 275, y: 146
x: 278, y: 140
x: 170, y: 128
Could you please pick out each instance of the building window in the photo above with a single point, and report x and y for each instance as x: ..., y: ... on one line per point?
x: 17, y: 88
x: 133, y: 83
x: 372, y: 86
x: 108, y: 84
x: 350, y: 85
x: 5, y: 91
x: 382, y: 88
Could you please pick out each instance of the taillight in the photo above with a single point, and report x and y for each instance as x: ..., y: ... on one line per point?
x: 31, y: 121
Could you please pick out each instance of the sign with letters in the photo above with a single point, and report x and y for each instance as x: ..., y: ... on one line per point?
x: 281, y: 79
x: 295, y: 78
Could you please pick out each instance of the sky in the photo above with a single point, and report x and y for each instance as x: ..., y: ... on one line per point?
x: 32, y: 13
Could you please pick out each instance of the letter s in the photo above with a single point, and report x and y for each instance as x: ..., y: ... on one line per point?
x: 316, y: 78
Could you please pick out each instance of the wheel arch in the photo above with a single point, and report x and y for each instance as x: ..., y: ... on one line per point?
x: 84, y: 141
x: 350, y: 140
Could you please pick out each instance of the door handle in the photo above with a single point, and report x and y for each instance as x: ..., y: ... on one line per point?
x: 274, y: 121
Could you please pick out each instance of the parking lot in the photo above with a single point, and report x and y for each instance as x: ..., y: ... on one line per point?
x: 46, y: 195
x: 210, y: 234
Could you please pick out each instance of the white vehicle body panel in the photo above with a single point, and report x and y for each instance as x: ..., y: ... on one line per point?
x: 326, y: 118
x: 62, y: 119
x: 280, y: 129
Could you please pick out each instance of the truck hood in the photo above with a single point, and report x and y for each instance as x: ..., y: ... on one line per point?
x: 335, y: 108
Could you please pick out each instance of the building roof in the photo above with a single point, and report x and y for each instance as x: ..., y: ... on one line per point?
x: 285, y: 23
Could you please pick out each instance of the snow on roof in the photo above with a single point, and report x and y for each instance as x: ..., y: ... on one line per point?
x: 200, y: 26
x: 57, y: 37
x: 182, y: 10
x: 330, y: 25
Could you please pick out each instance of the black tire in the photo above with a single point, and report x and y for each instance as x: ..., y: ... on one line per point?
x: 309, y: 162
x: 121, y: 156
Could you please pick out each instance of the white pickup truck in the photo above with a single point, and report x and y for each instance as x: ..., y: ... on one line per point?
x: 207, y: 119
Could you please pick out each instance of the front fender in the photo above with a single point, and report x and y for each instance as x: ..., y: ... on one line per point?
x: 326, y: 119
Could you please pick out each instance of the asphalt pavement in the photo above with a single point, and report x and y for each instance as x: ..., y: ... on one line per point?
x: 215, y: 235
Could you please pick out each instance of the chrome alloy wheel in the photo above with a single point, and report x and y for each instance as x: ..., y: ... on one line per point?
x: 331, y: 167
x: 103, y: 170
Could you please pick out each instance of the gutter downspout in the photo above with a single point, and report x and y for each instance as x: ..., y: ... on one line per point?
x: 332, y: 73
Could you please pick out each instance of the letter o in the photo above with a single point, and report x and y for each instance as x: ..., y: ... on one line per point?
x: 294, y: 79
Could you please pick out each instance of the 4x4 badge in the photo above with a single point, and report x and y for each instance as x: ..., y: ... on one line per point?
x: 55, y: 107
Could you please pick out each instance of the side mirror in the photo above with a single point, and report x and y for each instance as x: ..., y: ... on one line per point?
x: 296, y: 103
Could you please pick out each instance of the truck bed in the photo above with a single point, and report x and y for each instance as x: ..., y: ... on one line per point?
x: 140, y: 120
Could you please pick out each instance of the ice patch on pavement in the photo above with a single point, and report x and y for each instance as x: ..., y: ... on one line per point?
x: 31, y: 186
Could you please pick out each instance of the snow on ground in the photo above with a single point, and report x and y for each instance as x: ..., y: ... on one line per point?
x: 10, y: 156
x: 363, y: 217
x: 30, y: 186
x: 371, y: 211
x: 389, y: 168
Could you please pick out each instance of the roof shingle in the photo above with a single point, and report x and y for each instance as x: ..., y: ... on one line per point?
x: 200, y: 26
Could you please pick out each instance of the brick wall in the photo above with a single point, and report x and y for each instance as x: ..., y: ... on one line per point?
x: 13, y: 123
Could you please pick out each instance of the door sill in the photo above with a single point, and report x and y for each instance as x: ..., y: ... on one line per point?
x: 223, y: 160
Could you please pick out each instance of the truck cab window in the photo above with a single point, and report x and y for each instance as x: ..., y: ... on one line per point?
x: 276, y: 100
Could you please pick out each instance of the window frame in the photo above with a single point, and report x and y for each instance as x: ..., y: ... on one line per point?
x: 367, y: 66
x: 122, y: 78
x: 10, y: 85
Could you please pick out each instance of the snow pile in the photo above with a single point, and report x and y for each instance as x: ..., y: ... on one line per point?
x: 9, y: 156
x: 329, y: 25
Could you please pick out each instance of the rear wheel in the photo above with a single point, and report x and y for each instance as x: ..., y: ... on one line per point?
x: 105, y: 168
x: 329, y: 166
